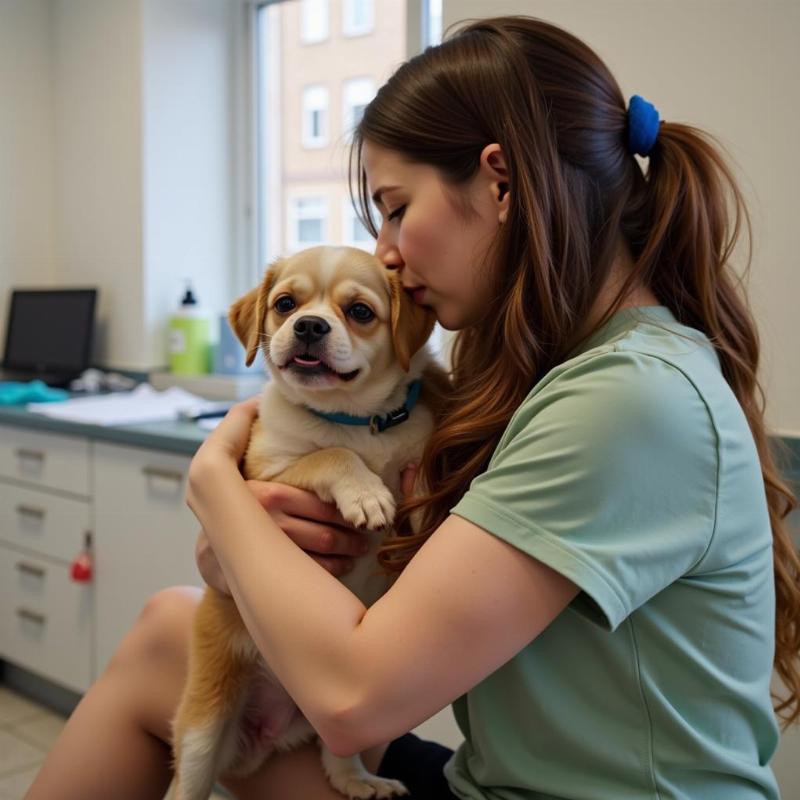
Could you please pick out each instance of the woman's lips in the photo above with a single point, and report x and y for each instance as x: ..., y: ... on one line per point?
x: 418, y: 294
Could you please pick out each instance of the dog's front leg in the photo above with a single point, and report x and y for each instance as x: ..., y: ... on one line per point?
x: 339, y: 475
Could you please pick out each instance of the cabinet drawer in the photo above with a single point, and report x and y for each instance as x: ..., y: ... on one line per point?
x: 45, y: 459
x: 50, y: 525
x: 45, y: 619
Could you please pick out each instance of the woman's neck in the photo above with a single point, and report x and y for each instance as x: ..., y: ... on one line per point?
x: 637, y: 295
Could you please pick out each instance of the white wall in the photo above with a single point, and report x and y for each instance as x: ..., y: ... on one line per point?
x: 731, y: 67
x: 97, y: 55
x: 26, y: 147
x: 116, y: 158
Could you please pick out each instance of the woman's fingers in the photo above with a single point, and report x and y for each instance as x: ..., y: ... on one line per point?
x: 320, y: 539
x: 296, y: 502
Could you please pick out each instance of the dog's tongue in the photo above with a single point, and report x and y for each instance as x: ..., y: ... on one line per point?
x: 307, y: 362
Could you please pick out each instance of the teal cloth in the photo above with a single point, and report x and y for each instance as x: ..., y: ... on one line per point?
x: 16, y: 394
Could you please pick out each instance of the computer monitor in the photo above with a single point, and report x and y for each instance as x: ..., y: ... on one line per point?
x: 49, y: 333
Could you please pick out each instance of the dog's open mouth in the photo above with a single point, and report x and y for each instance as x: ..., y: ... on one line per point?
x: 307, y: 364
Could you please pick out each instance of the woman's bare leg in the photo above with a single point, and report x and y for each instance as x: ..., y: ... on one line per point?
x: 115, y: 745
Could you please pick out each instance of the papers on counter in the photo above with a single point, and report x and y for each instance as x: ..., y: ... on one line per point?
x: 143, y: 404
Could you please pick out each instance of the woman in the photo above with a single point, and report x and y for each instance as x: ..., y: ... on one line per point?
x: 593, y: 582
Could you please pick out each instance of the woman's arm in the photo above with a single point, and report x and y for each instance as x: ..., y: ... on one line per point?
x: 365, y: 676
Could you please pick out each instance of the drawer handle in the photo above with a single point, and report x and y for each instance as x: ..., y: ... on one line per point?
x: 30, y: 511
x: 32, y: 569
x: 31, y: 616
x: 158, y: 472
x: 22, y: 452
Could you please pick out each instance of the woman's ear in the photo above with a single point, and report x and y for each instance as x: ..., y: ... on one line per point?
x: 412, y: 324
x: 247, y: 315
x: 493, y: 164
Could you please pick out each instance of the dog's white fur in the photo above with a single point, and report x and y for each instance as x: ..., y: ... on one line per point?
x: 357, y: 470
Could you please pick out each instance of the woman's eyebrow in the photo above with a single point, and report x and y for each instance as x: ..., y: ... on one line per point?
x: 376, y: 197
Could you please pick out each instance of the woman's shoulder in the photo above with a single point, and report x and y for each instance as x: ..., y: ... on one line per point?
x: 653, y: 365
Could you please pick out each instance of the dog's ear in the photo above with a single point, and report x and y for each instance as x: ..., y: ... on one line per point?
x: 411, y: 323
x: 246, y: 316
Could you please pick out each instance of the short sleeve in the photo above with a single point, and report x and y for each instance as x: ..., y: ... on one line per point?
x: 607, y: 473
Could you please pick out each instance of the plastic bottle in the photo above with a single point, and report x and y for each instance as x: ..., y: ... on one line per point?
x: 189, y: 337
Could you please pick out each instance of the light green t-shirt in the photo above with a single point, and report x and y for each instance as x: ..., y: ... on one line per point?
x: 631, y: 470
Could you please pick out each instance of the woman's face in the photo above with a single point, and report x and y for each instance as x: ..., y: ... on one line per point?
x: 440, y: 254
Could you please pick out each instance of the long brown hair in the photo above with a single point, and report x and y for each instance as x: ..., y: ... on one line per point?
x: 560, y: 118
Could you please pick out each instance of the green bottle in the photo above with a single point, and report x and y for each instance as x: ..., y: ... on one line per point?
x: 189, y: 338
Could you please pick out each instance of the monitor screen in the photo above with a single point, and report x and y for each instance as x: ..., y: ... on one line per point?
x: 50, y: 330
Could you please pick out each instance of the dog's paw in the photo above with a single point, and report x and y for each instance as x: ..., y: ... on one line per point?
x: 364, y: 787
x: 369, y: 505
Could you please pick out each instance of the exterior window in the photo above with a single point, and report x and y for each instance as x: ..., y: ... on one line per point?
x: 315, y: 116
x: 354, y: 233
x: 358, y: 17
x: 314, y: 21
x: 357, y: 94
x: 308, y: 222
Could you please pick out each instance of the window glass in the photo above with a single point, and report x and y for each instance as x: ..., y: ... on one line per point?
x: 314, y: 21
x: 308, y: 222
x: 315, y: 116
x: 357, y: 17
x: 357, y: 93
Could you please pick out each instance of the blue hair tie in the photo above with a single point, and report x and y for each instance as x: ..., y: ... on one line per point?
x: 643, y: 125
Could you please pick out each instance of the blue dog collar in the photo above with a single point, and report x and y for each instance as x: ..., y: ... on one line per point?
x: 377, y: 423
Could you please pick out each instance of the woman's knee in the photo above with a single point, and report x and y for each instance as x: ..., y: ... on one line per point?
x: 162, y: 630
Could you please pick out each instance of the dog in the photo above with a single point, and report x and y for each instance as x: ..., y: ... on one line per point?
x: 342, y: 341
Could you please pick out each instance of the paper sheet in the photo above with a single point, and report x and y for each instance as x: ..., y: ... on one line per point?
x: 143, y: 404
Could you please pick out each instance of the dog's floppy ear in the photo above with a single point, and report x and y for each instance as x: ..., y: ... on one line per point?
x: 411, y: 323
x: 246, y: 316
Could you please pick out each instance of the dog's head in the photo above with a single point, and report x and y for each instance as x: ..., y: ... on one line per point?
x: 329, y: 319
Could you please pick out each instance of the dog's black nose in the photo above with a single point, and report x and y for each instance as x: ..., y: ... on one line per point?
x: 311, y: 329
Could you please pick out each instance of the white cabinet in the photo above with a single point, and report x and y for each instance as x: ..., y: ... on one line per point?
x: 56, y: 489
x: 46, y: 619
x: 144, y: 535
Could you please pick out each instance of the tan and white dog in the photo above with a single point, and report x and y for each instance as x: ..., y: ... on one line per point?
x: 342, y: 340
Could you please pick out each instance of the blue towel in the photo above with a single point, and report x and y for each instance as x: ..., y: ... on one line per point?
x: 15, y: 394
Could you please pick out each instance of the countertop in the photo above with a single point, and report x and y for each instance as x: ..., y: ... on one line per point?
x: 175, y: 437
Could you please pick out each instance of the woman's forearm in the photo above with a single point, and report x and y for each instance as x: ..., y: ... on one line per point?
x: 302, y: 619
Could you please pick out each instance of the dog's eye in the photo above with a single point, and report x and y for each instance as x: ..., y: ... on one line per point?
x: 284, y: 304
x: 361, y: 313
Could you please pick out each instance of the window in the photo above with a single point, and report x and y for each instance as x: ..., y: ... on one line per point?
x: 314, y: 21
x: 308, y: 222
x: 358, y: 17
x: 354, y: 234
x: 356, y: 95
x: 308, y: 99
x: 315, y: 116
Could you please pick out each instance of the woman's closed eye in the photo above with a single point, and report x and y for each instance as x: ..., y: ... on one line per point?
x: 396, y: 214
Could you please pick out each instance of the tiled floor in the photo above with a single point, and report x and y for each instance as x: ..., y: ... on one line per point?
x: 27, y: 732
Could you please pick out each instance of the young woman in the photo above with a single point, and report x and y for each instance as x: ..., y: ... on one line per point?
x: 603, y: 579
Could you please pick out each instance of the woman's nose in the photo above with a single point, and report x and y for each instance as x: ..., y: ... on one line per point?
x: 387, y: 251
